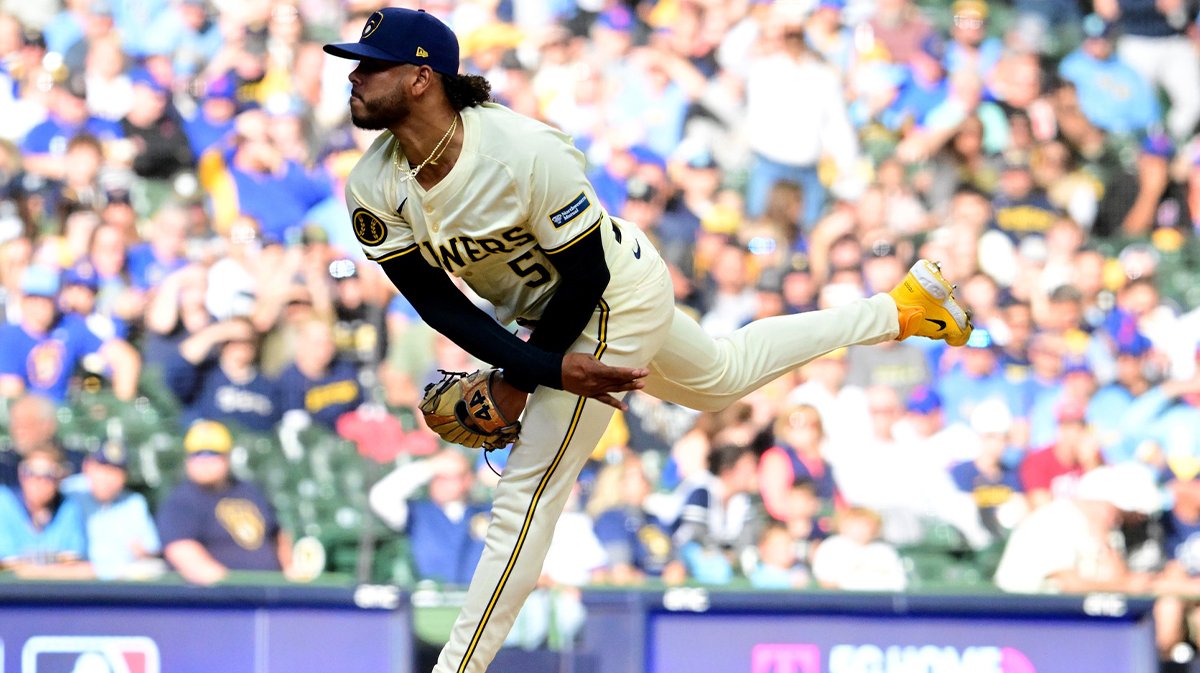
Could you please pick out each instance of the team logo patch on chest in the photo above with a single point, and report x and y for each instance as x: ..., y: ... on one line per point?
x: 243, y: 521
x: 368, y: 229
x: 569, y: 212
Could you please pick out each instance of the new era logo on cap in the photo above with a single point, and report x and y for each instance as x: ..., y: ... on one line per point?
x: 392, y: 34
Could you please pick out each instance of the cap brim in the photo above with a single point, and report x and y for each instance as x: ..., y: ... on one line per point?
x: 357, y: 51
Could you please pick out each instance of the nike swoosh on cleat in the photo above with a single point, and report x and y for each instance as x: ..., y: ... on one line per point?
x: 637, y: 254
x: 941, y: 324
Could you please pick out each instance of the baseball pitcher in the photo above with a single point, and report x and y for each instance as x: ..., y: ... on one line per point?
x: 455, y: 183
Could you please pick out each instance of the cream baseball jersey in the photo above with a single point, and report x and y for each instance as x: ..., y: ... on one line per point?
x: 517, y: 191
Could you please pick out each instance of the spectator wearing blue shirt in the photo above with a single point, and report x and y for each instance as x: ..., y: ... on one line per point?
x: 970, y: 47
x: 318, y: 383
x: 273, y: 190
x: 924, y: 87
x: 1044, y: 373
x: 187, y: 34
x: 121, y: 537
x: 150, y: 262
x: 45, y: 146
x: 40, y: 353
x: 41, y: 532
x: 778, y: 567
x: 66, y: 28
x: 825, y: 34
x: 976, y: 379
x: 1078, y: 383
x: 446, y: 529
x: 227, y: 387
x: 212, y: 522
x: 80, y: 285
x: 1169, y: 416
x: 213, y: 119
x: 1111, y: 94
x: 1108, y: 410
x: 638, y: 545
x: 1155, y: 42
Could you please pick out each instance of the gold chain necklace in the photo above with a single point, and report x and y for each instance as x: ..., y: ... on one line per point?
x: 433, y: 157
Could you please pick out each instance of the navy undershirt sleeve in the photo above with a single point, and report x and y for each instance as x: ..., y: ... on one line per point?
x: 444, y: 308
x: 584, y: 273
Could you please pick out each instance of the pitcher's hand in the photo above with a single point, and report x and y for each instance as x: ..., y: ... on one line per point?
x: 586, y: 376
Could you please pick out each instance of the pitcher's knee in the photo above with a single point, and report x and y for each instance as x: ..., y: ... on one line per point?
x: 713, y: 403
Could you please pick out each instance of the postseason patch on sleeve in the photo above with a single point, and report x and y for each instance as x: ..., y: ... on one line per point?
x: 569, y: 212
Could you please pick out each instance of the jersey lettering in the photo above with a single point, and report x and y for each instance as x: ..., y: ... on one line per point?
x: 517, y: 237
x: 451, y: 255
x: 492, y: 246
x: 471, y: 248
x: 459, y: 251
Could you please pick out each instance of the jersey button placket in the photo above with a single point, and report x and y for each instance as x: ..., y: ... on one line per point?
x: 433, y: 225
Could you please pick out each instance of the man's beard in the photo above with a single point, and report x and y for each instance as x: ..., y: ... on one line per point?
x: 381, y: 113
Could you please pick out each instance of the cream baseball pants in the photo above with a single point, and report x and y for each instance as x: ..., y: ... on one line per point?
x: 636, y: 325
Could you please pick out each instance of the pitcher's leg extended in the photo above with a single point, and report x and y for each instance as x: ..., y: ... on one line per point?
x: 697, y: 371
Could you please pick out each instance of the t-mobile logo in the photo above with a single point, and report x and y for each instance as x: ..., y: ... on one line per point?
x: 785, y: 658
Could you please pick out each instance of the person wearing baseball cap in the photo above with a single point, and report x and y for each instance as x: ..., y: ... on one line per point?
x: 40, y: 353
x: 995, y: 488
x: 978, y: 378
x: 1053, y: 471
x: 41, y: 532
x: 459, y: 184
x: 1058, y: 547
x: 1111, y: 94
x: 213, y: 522
x: 120, y: 531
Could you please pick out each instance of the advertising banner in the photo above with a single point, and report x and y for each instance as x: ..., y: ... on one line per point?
x: 204, y: 637
x: 778, y: 643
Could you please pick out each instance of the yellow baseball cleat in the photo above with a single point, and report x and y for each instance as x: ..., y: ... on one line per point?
x: 927, y: 306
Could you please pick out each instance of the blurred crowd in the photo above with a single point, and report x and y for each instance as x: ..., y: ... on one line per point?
x: 173, y: 231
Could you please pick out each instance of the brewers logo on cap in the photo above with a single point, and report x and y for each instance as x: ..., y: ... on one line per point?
x: 112, y: 453
x: 372, y: 24
x: 368, y: 229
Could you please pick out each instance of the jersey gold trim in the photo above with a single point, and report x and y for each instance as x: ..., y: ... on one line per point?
x: 368, y: 229
x: 393, y: 255
x: 575, y: 240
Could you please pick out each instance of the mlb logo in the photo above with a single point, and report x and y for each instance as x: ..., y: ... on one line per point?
x: 785, y: 658
x: 90, y: 654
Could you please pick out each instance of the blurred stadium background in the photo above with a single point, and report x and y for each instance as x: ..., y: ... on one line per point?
x: 174, y: 249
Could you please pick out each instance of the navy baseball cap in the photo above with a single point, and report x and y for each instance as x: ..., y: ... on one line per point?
x: 83, y: 273
x: 923, y: 400
x: 113, y: 452
x: 404, y: 36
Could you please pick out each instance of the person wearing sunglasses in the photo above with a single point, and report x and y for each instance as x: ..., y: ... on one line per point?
x: 41, y: 532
